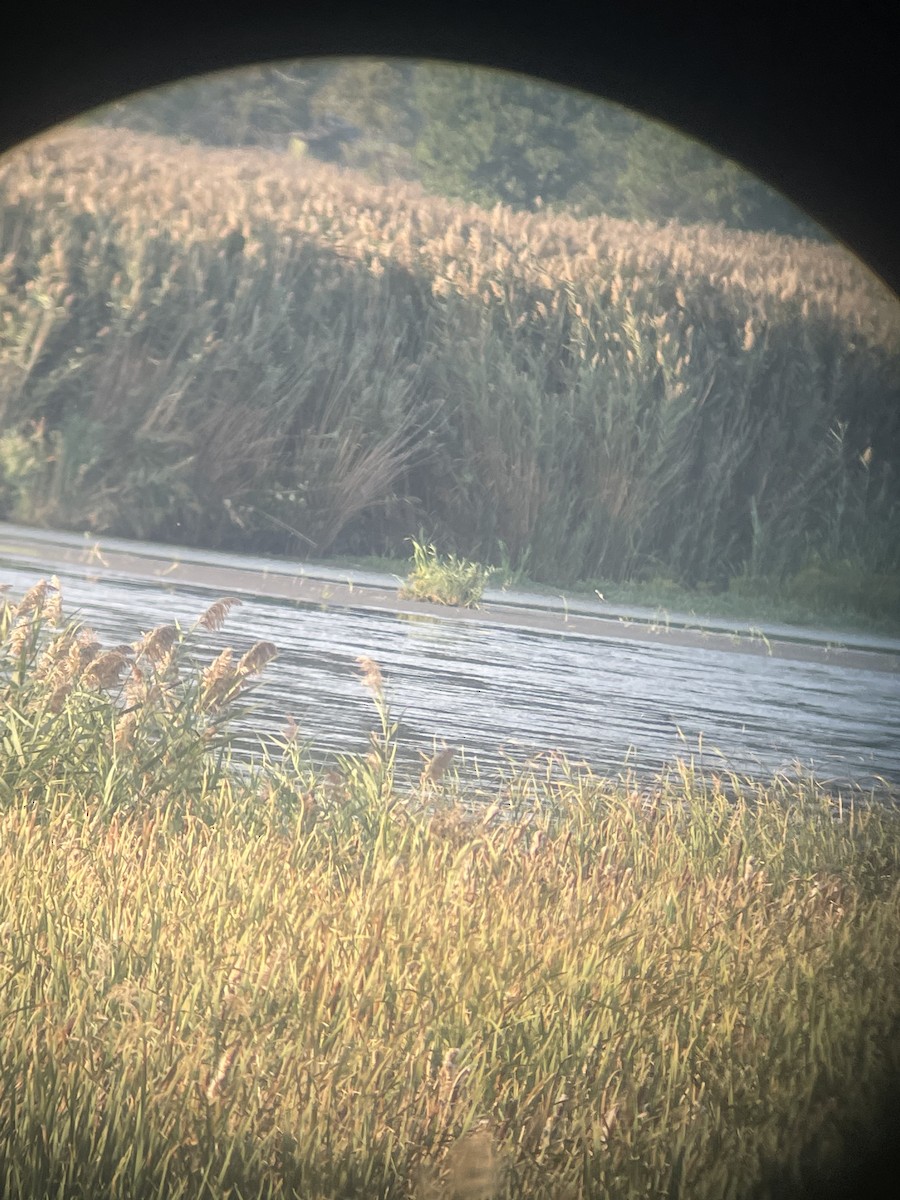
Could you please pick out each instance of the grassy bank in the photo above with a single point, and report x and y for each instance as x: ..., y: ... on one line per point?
x: 836, y: 598
x: 218, y: 984
x: 239, y: 350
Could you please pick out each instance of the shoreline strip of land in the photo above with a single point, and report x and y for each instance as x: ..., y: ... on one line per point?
x: 97, y: 560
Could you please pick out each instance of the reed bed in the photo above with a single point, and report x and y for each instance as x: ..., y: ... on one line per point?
x: 236, y: 348
x: 283, y: 984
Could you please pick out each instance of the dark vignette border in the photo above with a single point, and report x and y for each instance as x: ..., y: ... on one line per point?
x: 804, y: 96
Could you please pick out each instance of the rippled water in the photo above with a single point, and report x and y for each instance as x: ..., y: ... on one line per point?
x: 498, y: 692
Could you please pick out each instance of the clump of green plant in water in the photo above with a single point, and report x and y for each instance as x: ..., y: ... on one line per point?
x: 281, y: 982
x: 444, y: 580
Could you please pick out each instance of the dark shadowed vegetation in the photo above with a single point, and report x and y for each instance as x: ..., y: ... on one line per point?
x: 241, y: 349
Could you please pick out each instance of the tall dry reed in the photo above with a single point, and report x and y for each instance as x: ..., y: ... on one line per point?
x: 236, y: 348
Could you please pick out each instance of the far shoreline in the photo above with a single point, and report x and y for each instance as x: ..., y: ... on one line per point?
x: 171, y: 565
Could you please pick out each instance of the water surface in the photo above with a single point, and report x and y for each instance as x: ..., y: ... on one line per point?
x: 501, y: 692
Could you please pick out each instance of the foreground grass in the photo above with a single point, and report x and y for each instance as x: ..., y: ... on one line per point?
x: 281, y: 984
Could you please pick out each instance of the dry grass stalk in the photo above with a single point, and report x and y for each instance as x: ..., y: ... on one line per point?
x: 82, y: 652
x: 214, y: 617
x: 54, y: 660
x: 124, y: 732
x: 219, y: 680
x: 52, y: 609
x: 22, y: 633
x: 256, y: 658
x: 646, y: 977
x: 219, y: 1078
x: 450, y: 1078
x: 436, y: 767
x: 157, y: 643
x: 371, y: 675
x: 33, y: 600
x: 106, y: 669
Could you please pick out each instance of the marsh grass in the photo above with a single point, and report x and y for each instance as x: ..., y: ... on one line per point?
x: 288, y: 983
x: 444, y: 579
x: 591, y: 398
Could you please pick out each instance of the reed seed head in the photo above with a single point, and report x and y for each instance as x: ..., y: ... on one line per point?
x: 126, y: 725
x: 157, y: 643
x: 19, y: 638
x: 371, y: 675
x: 436, y: 767
x: 218, y: 680
x: 259, y: 654
x: 106, y: 670
x: 33, y: 599
x: 214, y: 617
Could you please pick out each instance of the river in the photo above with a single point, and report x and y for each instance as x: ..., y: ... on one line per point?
x: 521, y: 676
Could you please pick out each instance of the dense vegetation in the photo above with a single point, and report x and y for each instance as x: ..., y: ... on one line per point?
x: 237, y: 348
x: 447, y: 580
x: 215, y: 983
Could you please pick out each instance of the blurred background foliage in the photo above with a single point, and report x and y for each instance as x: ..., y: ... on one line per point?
x: 468, y: 133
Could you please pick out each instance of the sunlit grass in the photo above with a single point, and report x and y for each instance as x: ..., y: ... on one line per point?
x: 592, y: 398
x: 444, y: 579
x: 285, y: 982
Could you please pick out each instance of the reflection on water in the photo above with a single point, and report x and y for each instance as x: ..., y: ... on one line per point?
x: 498, y: 692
